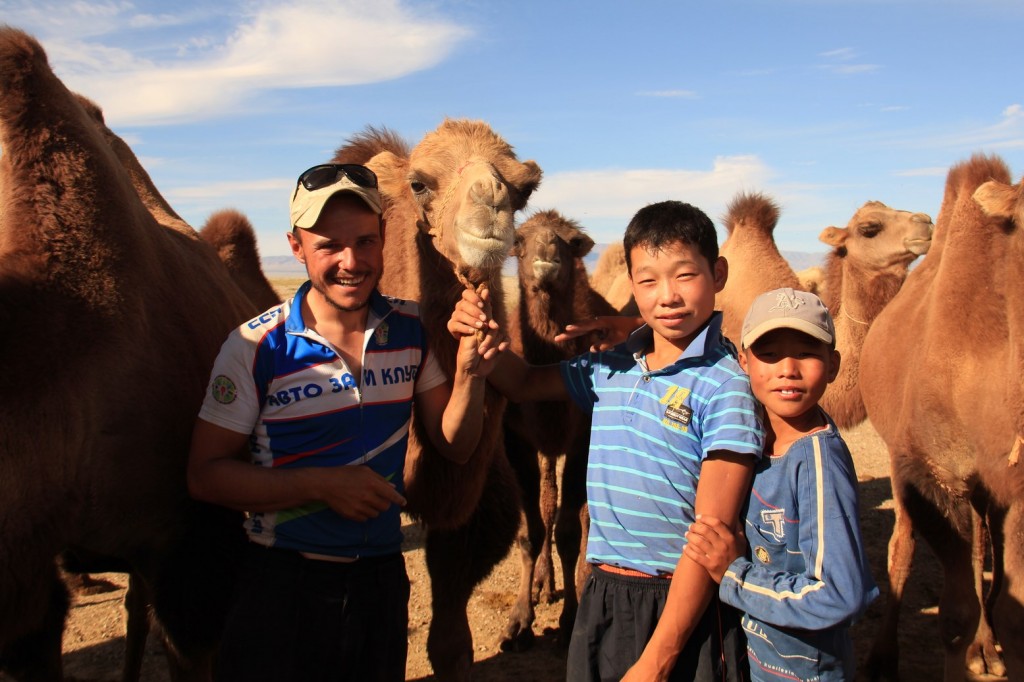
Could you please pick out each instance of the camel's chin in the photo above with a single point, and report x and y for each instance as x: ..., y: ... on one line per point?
x: 483, y: 253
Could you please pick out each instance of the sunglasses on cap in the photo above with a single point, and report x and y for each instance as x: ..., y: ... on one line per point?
x: 326, y: 174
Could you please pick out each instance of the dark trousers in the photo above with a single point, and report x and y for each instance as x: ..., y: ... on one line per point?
x: 616, y: 618
x: 304, y: 619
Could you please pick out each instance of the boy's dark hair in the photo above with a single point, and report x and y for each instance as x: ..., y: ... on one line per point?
x: 655, y: 226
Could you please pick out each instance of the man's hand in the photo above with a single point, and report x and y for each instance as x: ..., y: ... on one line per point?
x: 356, y: 492
x: 608, y: 331
x: 472, y: 314
x: 713, y: 545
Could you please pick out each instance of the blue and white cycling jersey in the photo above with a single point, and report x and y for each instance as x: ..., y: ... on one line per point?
x: 291, y: 390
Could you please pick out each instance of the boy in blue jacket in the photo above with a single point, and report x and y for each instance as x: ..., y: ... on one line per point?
x: 806, y: 576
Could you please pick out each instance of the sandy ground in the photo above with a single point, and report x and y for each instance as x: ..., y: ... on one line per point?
x: 94, y: 640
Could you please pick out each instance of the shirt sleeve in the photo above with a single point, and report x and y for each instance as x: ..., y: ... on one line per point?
x: 578, y: 373
x: 231, y: 400
x: 430, y: 373
x: 836, y: 586
x: 732, y: 420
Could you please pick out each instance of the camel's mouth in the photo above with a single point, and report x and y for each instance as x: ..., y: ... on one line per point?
x: 918, y: 246
x: 545, y: 269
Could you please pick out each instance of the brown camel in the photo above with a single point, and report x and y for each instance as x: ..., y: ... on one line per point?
x: 93, y: 455
x: 755, y: 264
x: 553, y: 291
x: 940, y: 374
x: 611, y: 279
x: 450, y: 207
x: 869, y: 260
x: 232, y: 236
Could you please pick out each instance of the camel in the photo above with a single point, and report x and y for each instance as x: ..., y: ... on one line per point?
x: 868, y: 262
x: 611, y: 279
x: 231, y: 234
x: 93, y: 456
x: 449, y: 214
x: 812, y: 279
x: 553, y: 291
x: 940, y: 377
x: 755, y: 264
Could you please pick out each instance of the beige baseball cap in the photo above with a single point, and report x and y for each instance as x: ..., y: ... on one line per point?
x: 307, y: 204
x: 788, y: 309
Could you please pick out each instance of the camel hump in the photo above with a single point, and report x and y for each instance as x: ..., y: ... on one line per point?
x: 232, y: 236
x: 366, y: 144
x: 753, y: 209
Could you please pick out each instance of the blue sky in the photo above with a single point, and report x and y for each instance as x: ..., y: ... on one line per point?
x: 823, y: 104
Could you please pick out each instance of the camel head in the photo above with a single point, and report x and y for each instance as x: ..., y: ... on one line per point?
x: 881, y: 237
x: 548, y: 247
x: 468, y: 185
x: 999, y: 200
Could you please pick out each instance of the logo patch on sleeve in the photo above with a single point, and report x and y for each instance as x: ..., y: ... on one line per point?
x: 223, y: 390
x: 380, y: 334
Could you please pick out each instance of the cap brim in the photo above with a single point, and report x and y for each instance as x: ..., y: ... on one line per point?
x: 799, y: 325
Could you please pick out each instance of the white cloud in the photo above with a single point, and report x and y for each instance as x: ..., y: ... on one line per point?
x: 841, y: 54
x: 605, y: 200
x: 273, y: 46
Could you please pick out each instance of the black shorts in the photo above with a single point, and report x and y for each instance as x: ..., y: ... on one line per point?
x: 616, y: 618
x: 306, y: 619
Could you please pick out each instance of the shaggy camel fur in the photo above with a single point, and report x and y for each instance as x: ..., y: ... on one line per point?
x: 611, y: 279
x: 232, y: 236
x: 868, y: 262
x: 553, y: 291
x: 93, y: 455
x: 755, y: 264
x: 449, y: 214
x: 940, y: 374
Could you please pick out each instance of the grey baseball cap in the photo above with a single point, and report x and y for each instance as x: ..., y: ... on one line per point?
x: 788, y: 309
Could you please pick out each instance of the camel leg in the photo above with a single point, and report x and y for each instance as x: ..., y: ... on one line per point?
x: 544, y: 569
x: 959, y: 609
x: 136, y: 605
x: 569, y: 536
x: 458, y: 560
x: 1008, y: 600
x: 883, y: 660
x: 982, y: 656
x: 523, y: 457
x: 36, y: 656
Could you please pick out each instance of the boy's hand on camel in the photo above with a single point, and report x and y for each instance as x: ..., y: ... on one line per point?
x: 713, y: 545
x: 472, y: 314
x: 607, y: 330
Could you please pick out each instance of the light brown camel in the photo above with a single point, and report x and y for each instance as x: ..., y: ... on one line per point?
x: 869, y: 260
x: 611, y: 279
x: 755, y: 264
x: 940, y: 375
x: 232, y: 236
x: 812, y: 279
x: 132, y: 311
x: 553, y: 291
x: 868, y: 263
x: 450, y: 207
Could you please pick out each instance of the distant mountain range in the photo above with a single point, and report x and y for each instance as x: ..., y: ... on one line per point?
x: 287, y: 266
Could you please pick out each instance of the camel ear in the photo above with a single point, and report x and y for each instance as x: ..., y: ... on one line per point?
x: 834, y: 236
x: 996, y: 199
x: 581, y: 245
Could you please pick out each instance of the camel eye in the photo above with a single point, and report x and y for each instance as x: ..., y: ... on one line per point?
x: 870, y: 230
x: 418, y: 187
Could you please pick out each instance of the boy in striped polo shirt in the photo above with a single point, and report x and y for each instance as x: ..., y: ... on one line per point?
x: 674, y: 433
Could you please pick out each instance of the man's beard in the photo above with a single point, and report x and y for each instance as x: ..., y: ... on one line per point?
x: 322, y: 290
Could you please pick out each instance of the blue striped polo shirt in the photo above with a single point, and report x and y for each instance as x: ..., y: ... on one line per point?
x: 650, y: 433
x: 291, y: 390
